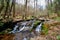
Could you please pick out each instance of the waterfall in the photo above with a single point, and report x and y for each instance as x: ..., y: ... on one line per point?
x: 21, y: 29
x: 15, y: 29
x: 38, y: 28
x: 23, y: 26
x: 32, y: 24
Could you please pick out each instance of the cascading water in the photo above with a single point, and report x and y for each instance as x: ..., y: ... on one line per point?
x: 23, y: 27
x: 38, y: 28
x: 18, y: 27
x: 15, y: 29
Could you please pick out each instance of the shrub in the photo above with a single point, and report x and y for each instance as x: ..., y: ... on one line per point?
x: 44, y: 29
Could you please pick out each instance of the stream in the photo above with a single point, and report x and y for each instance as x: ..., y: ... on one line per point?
x: 22, y: 30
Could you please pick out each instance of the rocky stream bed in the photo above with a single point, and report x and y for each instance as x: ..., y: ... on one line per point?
x: 16, y: 34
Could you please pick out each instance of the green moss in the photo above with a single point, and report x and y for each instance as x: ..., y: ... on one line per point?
x: 36, y: 22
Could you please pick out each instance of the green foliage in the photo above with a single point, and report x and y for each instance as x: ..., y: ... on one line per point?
x: 1, y: 23
x: 6, y: 8
x: 36, y: 22
x: 57, y: 19
x: 54, y: 7
x: 58, y: 37
x: 44, y: 29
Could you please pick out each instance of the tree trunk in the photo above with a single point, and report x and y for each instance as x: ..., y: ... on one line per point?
x: 25, y: 9
x: 34, y: 9
x: 14, y: 8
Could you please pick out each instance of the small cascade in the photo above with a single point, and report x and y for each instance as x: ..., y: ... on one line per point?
x: 15, y: 29
x: 23, y: 29
x: 23, y: 26
x: 38, y: 28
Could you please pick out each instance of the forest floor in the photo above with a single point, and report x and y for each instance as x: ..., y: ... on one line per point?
x: 53, y: 32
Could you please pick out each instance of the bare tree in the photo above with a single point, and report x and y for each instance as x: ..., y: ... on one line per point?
x: 25, y: 9
x: 6, y: 9
x: 13, y: 4
x: 34, y: 8
x: 2, y: 5
x: 47, y: 2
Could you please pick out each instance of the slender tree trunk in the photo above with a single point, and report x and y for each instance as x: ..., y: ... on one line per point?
x: 51, y: 2
x: 14, y: 8
x: 6, y: 10
x: 25, y: 9
x: 48, y: 8
x: 2, y: 5
x: 34, y: 9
